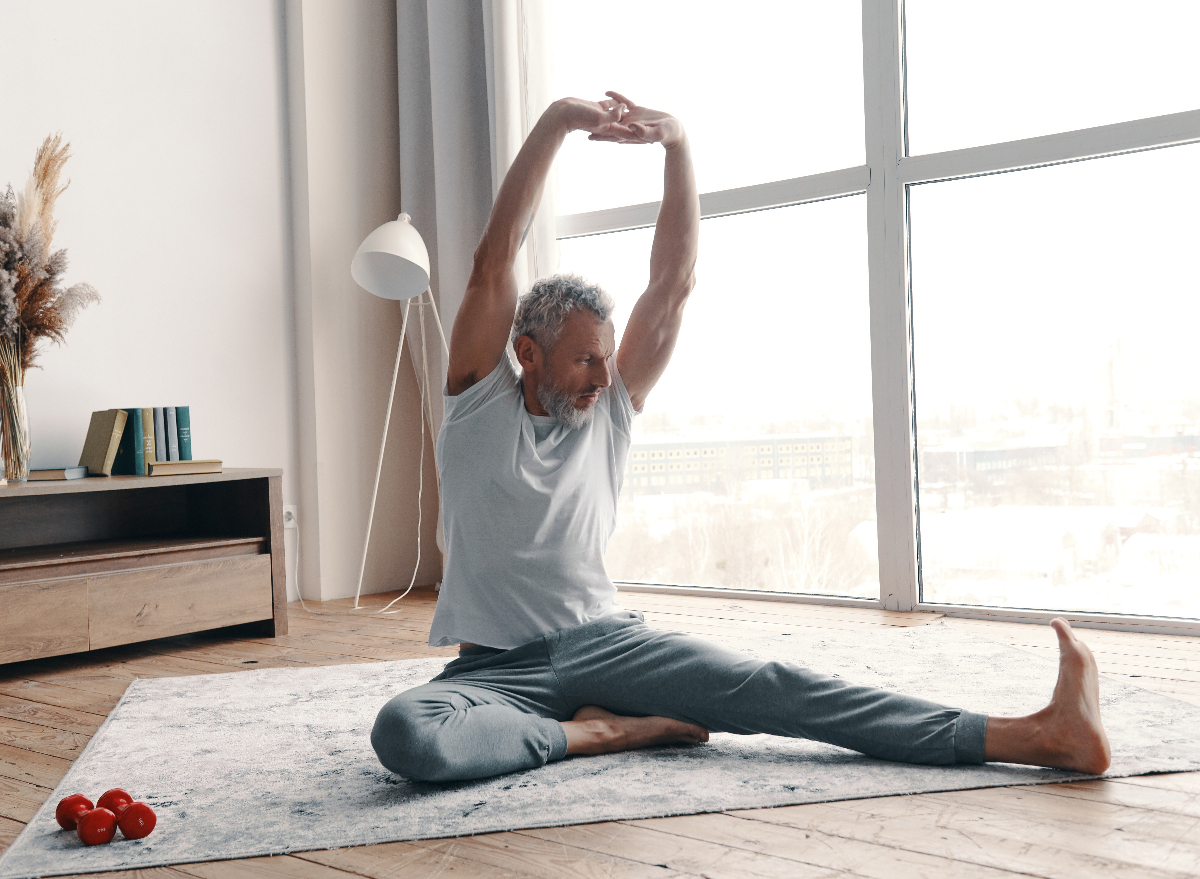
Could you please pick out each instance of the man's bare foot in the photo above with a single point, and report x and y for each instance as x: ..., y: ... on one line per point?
x: 595, y: 731
x: 1067, y: 733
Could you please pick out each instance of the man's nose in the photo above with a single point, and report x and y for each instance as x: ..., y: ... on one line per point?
x: 600, y: 376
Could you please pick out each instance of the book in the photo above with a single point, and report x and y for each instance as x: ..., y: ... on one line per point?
x: 58, y: 473
x: 179, y: 468
x: 183, y: 419
x: 131, y: 456
x: 148, y: 450
x: 172, y: 434
x: 103, y: 437
x: 160, y: 434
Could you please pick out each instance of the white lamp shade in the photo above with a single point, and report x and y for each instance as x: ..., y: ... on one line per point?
x: 392, y: 262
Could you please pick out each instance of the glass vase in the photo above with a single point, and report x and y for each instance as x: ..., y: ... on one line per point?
x: 14, y: 433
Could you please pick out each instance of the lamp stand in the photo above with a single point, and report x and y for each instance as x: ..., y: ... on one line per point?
x: 387, y: 420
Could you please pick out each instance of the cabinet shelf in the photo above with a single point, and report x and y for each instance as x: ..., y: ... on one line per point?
x: 95, y: 562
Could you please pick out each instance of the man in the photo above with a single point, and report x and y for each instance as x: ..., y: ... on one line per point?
x: 549, y: 665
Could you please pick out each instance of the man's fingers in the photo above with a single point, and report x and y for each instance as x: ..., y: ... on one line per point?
x: 617, y: 96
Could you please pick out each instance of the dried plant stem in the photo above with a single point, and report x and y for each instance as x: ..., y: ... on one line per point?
x: 14, y: 420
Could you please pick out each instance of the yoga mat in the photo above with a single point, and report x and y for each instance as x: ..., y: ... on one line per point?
x: 274, y: 761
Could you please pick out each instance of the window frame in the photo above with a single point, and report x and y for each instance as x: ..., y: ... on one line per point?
x: 885, y: 179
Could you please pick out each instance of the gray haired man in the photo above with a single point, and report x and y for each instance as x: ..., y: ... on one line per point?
x: 531, y: 464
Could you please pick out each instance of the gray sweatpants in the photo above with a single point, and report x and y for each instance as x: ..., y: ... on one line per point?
x: 496, y: 711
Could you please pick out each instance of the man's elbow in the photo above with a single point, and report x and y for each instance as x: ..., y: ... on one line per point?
x: 689, y: 283
x: 683, y: 286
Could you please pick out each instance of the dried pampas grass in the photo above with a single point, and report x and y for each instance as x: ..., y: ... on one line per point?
x: 33, y: 305
x: 36, y: 204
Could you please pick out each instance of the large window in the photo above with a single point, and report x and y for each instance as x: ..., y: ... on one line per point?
x: 940, y: 355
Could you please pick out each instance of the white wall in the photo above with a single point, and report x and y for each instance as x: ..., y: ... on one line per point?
x: 175, y: 213
x: 181, y: 213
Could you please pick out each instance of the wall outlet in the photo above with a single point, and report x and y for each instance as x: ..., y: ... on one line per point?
x: 289, y: 516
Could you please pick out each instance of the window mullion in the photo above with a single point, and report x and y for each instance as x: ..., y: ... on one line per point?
x: 891, y: 348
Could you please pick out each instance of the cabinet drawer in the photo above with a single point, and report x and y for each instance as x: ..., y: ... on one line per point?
x: 43, y: 618
x: 158, y: 602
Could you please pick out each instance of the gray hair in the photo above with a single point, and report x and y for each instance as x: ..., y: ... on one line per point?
x: 542, y: 311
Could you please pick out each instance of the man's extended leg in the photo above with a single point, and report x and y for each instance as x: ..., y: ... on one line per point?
x: 632, y: 670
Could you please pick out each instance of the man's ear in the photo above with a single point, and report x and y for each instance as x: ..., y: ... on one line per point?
x: 529, y: 353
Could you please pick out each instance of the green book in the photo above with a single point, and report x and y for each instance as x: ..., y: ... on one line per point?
x: 131, y: 455
x: 183, y: 421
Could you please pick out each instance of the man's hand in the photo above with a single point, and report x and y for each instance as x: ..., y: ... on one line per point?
x: 591, y: 116
x: 634, y: 124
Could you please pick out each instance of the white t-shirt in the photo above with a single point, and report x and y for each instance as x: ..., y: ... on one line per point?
x: 528, y: 506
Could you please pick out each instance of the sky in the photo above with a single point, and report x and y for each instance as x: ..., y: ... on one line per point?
x: 1022, y: 282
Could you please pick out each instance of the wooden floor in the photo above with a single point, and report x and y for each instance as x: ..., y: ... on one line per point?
x: 1137, y: 827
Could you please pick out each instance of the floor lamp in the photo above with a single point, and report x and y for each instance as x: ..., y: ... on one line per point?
x: 393, y: 263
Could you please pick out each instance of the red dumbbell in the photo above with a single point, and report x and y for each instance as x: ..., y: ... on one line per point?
x: 97, y: 827
x: 71, y: 809
x: 114, y: 800
x: 136, y: 820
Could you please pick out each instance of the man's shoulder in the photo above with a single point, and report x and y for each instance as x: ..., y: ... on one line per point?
x: 500, y: 382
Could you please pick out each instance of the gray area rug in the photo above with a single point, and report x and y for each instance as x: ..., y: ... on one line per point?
x: 275, y: 761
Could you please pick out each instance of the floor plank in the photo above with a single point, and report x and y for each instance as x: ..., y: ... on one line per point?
x: 696, y: 856
x: 956, y: 829
x: 21, y: 764
x: 20, y: 800
x: 9, y: 831
x: 67, y: 719
x: 42, y: 739
x: 49, y: 693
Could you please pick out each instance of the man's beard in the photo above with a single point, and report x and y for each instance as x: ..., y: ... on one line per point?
x: 561, y: 405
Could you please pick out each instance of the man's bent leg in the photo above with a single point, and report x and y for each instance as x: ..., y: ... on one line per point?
x: 450, y: 731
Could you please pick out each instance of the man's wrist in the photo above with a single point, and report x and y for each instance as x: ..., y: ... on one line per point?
x: 679, y: 144
x: 560, y: 117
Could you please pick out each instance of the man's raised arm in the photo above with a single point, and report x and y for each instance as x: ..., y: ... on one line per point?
x: 653, y: 327
x: 483, y: 322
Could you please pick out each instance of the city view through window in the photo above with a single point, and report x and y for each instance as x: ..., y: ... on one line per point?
x: 1055, y: 319
x: 751, y: 466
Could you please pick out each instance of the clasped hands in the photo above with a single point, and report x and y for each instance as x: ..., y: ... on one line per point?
x: 619, y: 120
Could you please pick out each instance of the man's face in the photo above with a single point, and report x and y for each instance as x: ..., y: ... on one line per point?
x: 577, y: 369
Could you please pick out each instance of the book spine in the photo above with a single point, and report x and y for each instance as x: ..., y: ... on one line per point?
x: 172, y: 434
x: 183, y: 419
x: 160, y: 434
x: 114, y: 441
x: 148, y: 437
x: 133, y: 428
x: 124, y: 463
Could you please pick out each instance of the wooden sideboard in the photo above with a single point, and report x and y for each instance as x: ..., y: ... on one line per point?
x: 95, y: 562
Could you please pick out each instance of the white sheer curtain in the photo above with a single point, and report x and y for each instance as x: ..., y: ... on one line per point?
x: 473, y: 79
x: 516, y: 36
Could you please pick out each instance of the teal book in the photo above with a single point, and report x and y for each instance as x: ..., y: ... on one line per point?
x: 131, y: 455
x: 183, y: 421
